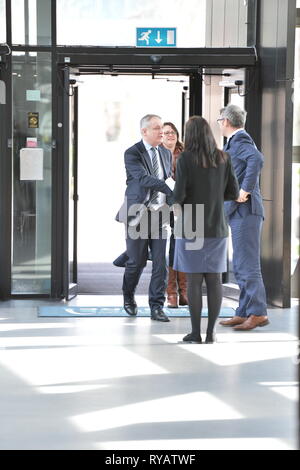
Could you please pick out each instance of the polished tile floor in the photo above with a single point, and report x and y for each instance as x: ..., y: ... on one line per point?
x: 128, y: 383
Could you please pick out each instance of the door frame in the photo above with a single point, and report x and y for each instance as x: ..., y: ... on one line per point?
x: 5, y: 172
x: 93, y: 61
x: 62, y: 286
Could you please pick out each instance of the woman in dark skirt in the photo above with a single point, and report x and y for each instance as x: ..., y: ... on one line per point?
x: 204, y: 179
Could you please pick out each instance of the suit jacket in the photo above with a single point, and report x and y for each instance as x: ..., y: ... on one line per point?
x: 247, y: 162
x: 207, y: 186
x: 140, y: 179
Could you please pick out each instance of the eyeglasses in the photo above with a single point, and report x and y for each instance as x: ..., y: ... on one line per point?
x: 220, y: 119
x: 170, y: 133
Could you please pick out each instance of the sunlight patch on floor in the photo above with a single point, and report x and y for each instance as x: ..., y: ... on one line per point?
x: 199, y: 444
x: 68, y: 388
x: 34, y: 326
x: 289, y: 390
x: 235, y: 354
x: 196, y: 406
x: 246, y: 349
x: 242, y: 337
x: 48, y: 366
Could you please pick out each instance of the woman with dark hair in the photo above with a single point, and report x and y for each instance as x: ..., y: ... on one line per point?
x: 204, y: 179
x: 171, y: 141
x: 177, y: 286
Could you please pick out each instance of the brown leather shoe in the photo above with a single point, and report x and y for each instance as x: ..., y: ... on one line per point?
x: 252, y: 322
x: 233, y: 321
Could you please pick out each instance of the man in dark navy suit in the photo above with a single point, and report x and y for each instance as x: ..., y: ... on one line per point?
x: 145, y: 213
x: 245, y: 217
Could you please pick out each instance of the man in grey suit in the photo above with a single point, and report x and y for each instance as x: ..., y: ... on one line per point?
x: 145, y: 215
x: 245, y: 217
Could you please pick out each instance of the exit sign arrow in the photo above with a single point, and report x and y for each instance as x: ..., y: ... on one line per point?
x: 158, y: 39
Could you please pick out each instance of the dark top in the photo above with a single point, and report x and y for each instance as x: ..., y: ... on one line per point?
x: 207, y: 186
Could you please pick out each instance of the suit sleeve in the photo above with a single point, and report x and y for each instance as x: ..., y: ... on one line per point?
x: 254, y: 162
x: 180, y: 189
x: 136, y: 170
x: 231, y: 192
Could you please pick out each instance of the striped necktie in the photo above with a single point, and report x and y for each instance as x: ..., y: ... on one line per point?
x: 155, y: 162
x: 154, y: 198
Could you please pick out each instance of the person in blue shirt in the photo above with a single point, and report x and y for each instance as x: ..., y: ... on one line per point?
x: 245, y: 217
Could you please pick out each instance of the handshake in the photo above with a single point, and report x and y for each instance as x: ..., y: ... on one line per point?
x: 170, y: 199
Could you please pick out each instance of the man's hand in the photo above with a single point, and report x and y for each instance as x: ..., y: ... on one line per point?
x: 243, y: 197
x: 170, y: 199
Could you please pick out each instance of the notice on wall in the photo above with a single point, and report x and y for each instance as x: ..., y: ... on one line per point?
x: 31, y: 142
x: 2, y: 92
x: 31, y: 164
x: 33, y: 120
x: 33, y: 95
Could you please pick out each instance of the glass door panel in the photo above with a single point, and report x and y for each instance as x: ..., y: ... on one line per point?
x: 73, y: 196
x: 2, y: 21
x: 32, y: 179
x: 69, y: 194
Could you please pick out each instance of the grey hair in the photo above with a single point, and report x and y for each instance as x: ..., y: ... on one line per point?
x: 146, y: 119
x: 235, y: 115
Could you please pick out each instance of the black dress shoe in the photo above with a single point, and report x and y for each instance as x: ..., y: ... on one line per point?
x: 120, y: 262
x: 159, y: 315
x: 130, y: 305
x: 191, y: 338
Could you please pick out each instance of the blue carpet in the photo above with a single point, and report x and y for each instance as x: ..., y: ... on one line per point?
x: 68, y: 311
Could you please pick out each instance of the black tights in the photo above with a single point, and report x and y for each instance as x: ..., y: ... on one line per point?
x: 214, y: 300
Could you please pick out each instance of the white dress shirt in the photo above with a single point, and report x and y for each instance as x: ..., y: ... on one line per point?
x: 235, y: 132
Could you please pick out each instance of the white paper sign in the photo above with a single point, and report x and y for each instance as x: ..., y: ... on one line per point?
x: 2, y: 92
x: 31, y: 164
x: 33, y: 95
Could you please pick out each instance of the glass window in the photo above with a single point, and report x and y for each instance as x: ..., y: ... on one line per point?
x: 295, y: 243
x: 31, y: 22
x: 296, y: 135
x: 2, y: 21
x: 114, y: 22
x: 18, y: 22
x: 32, y: 137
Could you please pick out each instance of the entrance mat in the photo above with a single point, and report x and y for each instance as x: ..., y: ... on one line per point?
x: 68, y: 311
